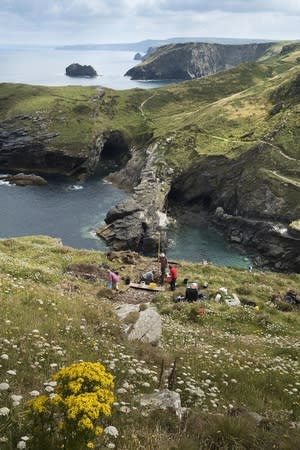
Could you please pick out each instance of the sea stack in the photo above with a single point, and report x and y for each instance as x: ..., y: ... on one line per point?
x: 77, y: 70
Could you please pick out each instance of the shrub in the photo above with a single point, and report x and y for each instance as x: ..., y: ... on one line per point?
x: 70, y: 417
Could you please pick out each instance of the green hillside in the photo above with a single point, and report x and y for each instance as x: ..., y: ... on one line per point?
x: 232, y: 362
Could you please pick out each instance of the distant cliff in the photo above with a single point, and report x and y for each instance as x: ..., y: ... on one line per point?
x: 194, y: 60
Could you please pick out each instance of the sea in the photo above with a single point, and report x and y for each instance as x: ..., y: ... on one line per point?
x: 70, y: 211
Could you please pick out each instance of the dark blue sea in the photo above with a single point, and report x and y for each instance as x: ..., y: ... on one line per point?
x: 70, y: 211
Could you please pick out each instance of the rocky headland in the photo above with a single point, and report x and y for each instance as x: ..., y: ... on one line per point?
x: 193, y: 60
x: 226, y: 146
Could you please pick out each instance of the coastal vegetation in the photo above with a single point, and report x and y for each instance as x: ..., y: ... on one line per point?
x: 228, y: 142
x: 237, y: 368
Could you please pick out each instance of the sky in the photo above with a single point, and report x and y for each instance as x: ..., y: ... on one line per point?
x: 47, y: 22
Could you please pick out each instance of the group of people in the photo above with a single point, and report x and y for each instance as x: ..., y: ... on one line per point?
x: 167, y: 271
x: 151, y: 276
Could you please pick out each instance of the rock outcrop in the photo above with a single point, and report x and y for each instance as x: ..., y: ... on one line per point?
x: 165, y: 400
x: 77, y: 70
x: 22, y: 179
x: 138, y: 57
x: 141, y: 324
x: 194, y: 60
x: 139, y: 222
x: 27, y: 145
x: 278, y: 247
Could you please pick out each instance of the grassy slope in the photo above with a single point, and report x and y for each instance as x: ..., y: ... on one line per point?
x: 227, y: 357
x: 77, y: 114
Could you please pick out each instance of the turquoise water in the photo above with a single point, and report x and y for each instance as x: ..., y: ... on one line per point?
x: 199, y: 243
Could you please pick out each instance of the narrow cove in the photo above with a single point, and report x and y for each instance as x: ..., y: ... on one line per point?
x: 71, y: 212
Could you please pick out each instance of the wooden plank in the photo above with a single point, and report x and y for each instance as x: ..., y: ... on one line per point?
x: 146, y: 287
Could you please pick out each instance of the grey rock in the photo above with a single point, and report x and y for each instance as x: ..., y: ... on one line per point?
x: 22, y: 179
x: 77, y: 70
x: 164, y: 399
x: 147, y: 327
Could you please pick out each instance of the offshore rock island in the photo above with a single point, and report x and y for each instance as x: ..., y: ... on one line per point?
x: 226, y: 145
x: 77, y: 70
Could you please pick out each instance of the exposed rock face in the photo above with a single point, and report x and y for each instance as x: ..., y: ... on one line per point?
x: 139, y: 222
x: 194, y: 60
x: 279, y: 249
x: 250, y: 210
x: 77, y: 70
x: 26, y: 145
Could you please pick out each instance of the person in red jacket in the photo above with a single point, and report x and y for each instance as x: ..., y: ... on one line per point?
x: 173, y: 274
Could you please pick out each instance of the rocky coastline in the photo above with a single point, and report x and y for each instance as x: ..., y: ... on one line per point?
x: 227, y: 145
x: 141, y: 221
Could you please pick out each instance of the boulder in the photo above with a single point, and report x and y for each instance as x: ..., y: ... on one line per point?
x: 77, y: 70
x: 142, y: 325
x: 164, y: 399
x: 22, y: 179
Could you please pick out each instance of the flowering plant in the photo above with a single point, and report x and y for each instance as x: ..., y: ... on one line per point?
x: 70, y: 416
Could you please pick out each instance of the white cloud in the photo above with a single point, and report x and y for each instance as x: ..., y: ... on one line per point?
x: 72, y: 21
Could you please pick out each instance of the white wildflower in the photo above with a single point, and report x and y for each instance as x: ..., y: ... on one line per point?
x: 4, y: 386
x: 34, y: 393
x: 11, y: 372
x: 4, y: 356
x: 112, y: 431
x: 16, y: 399
x: 49, y: 389
x: 121, y: 391
x: 125, y: 409
x: 21, y: 444
x: 4, y: 411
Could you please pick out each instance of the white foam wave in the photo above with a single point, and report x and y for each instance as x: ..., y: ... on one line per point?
x: 75, y: 187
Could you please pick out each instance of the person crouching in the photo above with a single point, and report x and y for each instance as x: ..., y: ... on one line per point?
x: 148, y: 277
